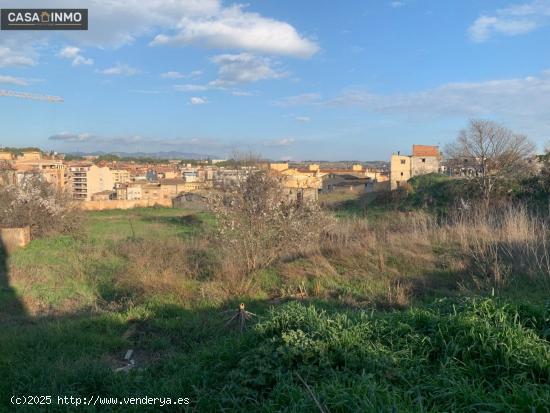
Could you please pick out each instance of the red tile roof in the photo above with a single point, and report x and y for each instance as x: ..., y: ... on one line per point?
x: 425, y: 150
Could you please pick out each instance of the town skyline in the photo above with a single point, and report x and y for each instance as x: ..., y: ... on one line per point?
x: 212, y: 77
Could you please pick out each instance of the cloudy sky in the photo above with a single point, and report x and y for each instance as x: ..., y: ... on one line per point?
x: 309, y: 79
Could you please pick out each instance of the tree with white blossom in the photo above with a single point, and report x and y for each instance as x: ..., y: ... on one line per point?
x: 36, y: 203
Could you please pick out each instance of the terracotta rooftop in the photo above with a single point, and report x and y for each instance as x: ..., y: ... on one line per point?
x: 425, y: 150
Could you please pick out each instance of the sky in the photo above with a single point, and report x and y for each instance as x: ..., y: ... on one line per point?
x: 291, y: 80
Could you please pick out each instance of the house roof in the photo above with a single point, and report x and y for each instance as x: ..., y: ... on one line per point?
x: 425, y: 150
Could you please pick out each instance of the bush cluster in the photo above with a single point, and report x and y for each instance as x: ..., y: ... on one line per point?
x: 39, y: 205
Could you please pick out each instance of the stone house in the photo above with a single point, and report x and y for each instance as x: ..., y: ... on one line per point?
x: 425, y: 159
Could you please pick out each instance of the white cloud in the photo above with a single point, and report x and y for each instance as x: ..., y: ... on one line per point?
x: 303, y: 119
x: 146, y: 91
x: 521, y: 102
x: 120, y: 70
x: 69, y: 137
x: 508, y: 96
x: 92, y: 139
x: 207, y: 23
x: 242, y: 93
x: 74, y: 53
x: 191, y: 88
x: 511, y: 21
x: 397, y: 4
x: 179, y: 75
x: 244, y: 68
x: 80, y: 60
x: 198, y: 101
x: 280, y: 142
x: 11, y: 57
x: 69, y: 52
x: 299, y: 100
x: 14, y: 80
x: 108, y: 29
x: 73, y: 137
x: 233, y: 28
x: 236, y: 69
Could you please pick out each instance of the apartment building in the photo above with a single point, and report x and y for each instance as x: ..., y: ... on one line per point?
x: 128, y: 190
x: 6, y: 156
x: 121, y: 176
x: 30, y: 163
x: 52, y: 170
x: 88, y: 179
x: 134, y: 191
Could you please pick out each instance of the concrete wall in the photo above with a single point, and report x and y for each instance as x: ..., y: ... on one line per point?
x: 422, y: 165
x: 302, y: 194
x: 122, y: 204
x: 13, y: 238
x: 281, y: 166
x: 381, y: 186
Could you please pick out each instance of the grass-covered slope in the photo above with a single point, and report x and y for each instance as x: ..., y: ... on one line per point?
x: 460, y: 355
x: 388, y: 315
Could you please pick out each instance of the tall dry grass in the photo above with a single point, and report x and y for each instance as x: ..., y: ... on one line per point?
x: 388, y: 262
x: 502, y: 244
x: 492, y: 246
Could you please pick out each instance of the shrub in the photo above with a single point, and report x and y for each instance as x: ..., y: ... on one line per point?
x: 259, y: 224
x: 38, y: 204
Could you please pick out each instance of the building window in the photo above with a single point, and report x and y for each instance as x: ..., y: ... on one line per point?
x: 401, y: 173
x: 402, y: 161
x: 423, y: 160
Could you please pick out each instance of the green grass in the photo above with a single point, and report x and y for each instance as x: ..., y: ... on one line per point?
x: 467, y: 355
x: 354, y: 204
x: 447, y: 349
x: 68, y: 271
x: 139, y: 222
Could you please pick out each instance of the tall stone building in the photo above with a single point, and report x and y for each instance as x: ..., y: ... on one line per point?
x: 425, y: 159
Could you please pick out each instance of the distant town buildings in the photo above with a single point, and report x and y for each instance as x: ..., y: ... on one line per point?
x: 98, y: 183
x: 307, y: 182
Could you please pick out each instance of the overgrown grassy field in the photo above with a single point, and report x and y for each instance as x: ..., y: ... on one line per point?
x: 393, y: 312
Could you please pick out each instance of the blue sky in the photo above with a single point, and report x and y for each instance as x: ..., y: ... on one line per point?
x: 288, y: 79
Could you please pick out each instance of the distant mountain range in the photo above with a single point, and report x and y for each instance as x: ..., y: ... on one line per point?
x: 156, y: 155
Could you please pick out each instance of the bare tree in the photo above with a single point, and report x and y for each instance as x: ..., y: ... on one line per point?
x: 545, y: 171
x: 243, y: 160
x: 495, y: 152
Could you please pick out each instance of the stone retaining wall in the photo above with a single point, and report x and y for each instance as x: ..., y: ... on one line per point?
x: 122, y: 204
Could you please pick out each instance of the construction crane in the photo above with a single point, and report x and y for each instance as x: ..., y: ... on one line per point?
x: 25, y: 95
